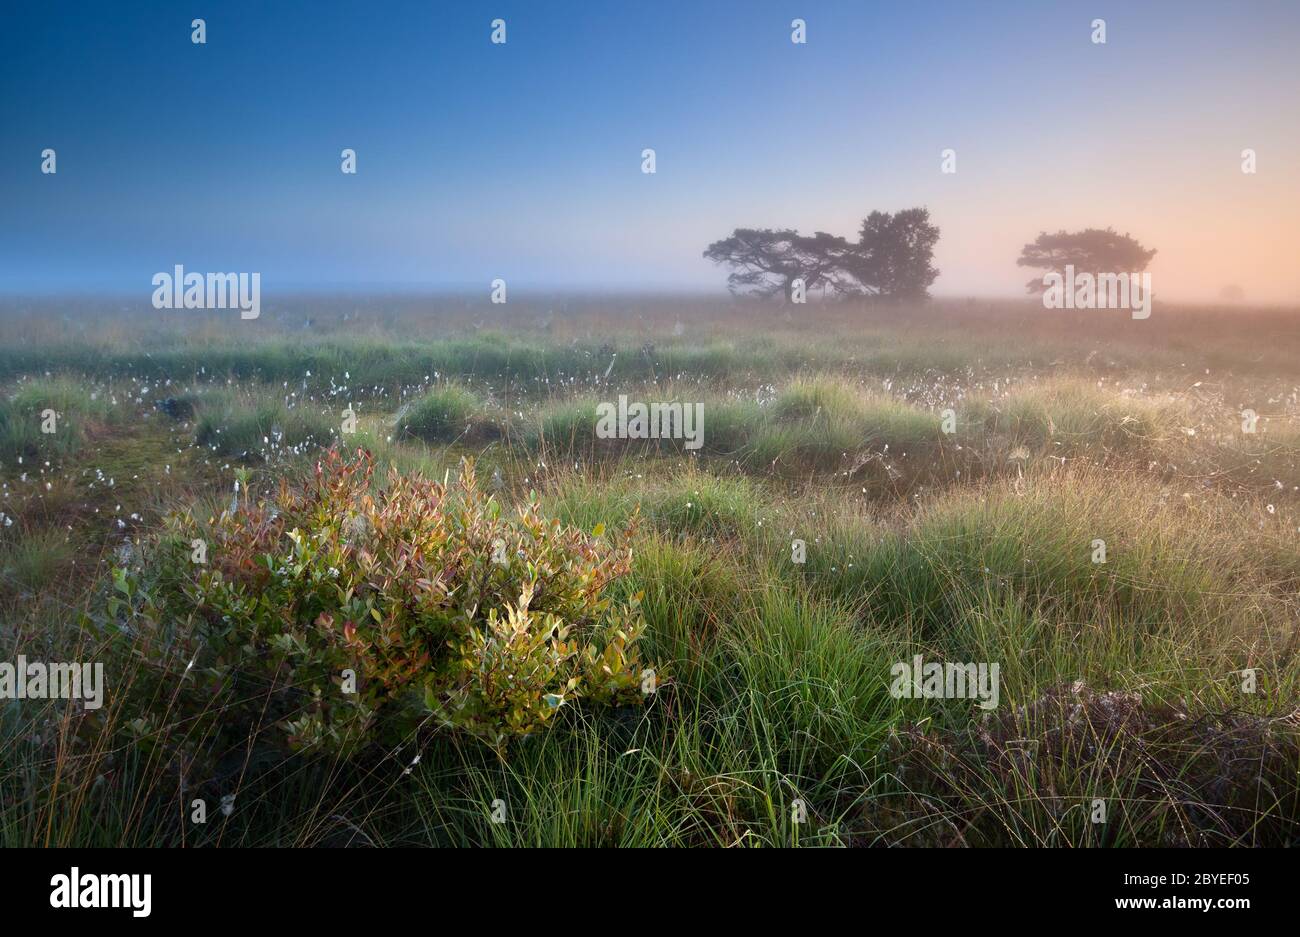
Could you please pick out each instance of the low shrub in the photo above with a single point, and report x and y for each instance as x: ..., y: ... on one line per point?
x: 440, y: 606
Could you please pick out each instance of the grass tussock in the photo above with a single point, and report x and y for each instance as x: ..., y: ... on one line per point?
x: 260, y: 429
x: 1078, y: 766
x: 49, y: 418
x: 451, y: 413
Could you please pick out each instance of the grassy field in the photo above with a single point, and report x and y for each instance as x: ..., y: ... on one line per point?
x: 949, y: 469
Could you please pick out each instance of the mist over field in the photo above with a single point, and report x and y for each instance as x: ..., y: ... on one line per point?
x: 599, y: 425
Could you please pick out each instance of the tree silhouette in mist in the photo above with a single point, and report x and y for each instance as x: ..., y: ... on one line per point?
x: 1092, y: 250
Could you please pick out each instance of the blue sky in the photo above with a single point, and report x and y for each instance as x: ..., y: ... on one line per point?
x: 523, y: 161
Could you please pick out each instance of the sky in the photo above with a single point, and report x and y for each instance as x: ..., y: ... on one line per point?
x: 523, y: 160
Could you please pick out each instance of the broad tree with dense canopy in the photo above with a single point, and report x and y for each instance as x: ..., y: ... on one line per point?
x: 1092, y: 250
x: 768, y: 261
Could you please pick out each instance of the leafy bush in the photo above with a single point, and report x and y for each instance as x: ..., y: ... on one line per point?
x: 447, y: 609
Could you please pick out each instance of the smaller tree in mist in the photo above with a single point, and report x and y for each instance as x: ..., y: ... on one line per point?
x: 768, y: 261
x: 894, y: 257
x: 1092, y: 250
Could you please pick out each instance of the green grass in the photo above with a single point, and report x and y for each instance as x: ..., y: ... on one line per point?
x: 687, y: 502
x: 32, y: 562
x: 451, y: 413
x: 258, y: 429
x: 1071, y: 417
x: 1122, y: 680
x: 62, y: 406
x: 1165, y: 563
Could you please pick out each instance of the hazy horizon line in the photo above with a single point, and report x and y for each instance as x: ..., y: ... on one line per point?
x: 535, y: 292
